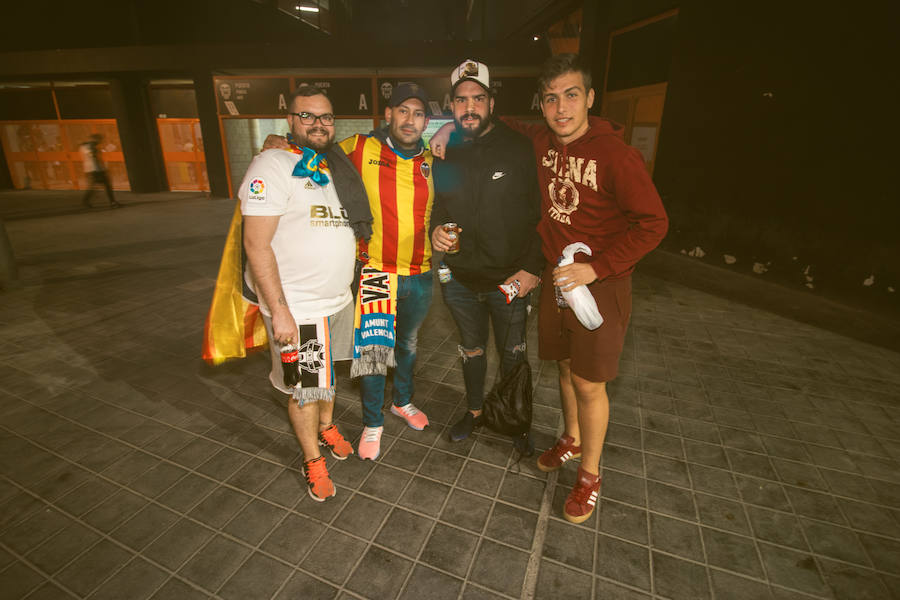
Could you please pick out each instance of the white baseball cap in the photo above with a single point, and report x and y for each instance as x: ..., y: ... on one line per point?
x: 471, y: 70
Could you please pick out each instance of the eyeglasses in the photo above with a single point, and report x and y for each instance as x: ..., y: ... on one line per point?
x: 307, y: 118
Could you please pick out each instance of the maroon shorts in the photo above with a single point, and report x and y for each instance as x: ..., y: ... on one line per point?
x: 594, y: 354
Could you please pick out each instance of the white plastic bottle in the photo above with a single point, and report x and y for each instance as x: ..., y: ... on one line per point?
x: 580, y: 299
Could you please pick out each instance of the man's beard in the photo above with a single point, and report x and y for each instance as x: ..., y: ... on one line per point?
x: 483, y: 124
x: 317, y: 145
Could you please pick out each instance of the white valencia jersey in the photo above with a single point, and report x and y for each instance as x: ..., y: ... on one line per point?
x: 314, y: 245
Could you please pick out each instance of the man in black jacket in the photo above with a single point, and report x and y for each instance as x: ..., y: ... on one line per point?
x: 487, y: 185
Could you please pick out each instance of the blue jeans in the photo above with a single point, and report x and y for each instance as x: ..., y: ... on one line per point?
x: 413, y: 300
x: 471, y: 312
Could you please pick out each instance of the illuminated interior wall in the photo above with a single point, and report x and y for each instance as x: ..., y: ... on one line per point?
x: 251, y: 108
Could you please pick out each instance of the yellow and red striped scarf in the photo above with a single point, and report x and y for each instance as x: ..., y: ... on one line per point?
x: 375, y: 323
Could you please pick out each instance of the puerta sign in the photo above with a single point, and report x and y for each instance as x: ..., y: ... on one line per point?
x: 253, y: 95
x: 351, y: 96
x: 514, y: 95
x: 270, y: 95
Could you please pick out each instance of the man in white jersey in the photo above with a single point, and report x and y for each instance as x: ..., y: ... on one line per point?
x: 301, y: 252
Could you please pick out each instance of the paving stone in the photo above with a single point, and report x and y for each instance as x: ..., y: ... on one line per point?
x: 214, y: 563
x: 386, y: 483
x: 86, y: 572
x: 606, y: 590
x: 730, y: 585
x: 178, y: 543
x: 480, y: 478
x: 175, y: 589
x: 513, y: 526
x: 522, y: 490
x: 144, y: 527
x: 424, y: 496
x: 884, y: 552
x: 334, y: 556
x: 191, y: 489
x: 284, y: 541
x: 41, y: 525
x: 622, y: 520
x: 671, y: 500
x: 441, y: 466
x: 815, y: 504
x: 851, y: 582
x: 622, y: 487
x: 19, y: 579
x: 466, y: 510
x: 557, y: 581
x: 777, y: 527
x: 362, y: 516
x: 500, y: 568
x: 676, y: 537
x: 380, y: 574
x: 676, y: 578
x: 569, y: 544
x: 255, y: 521
x: 792, y: 569
x: 259, y: 577
x: 449, y: 549
x: 137, y: 580
x: 428, y: 583
x: 732, y: 552
x: 624, y: 562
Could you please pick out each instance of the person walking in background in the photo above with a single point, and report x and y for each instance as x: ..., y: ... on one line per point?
x: 95, y: 170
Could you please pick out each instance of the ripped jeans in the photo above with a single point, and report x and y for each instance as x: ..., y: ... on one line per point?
x: 471, y: 312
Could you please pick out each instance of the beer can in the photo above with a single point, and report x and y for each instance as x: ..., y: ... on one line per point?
x: 452, y: 230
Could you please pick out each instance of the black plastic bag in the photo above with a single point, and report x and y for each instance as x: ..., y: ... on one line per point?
x: 507, y: 407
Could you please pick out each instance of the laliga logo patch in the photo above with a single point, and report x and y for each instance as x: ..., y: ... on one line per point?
x: 425, y: 169
x: 257, y: 190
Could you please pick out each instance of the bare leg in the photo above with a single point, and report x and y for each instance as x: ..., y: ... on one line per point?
x: 305, y: 421
x: 567, y: 399
x: 326, y: 411
x: 593, y: 420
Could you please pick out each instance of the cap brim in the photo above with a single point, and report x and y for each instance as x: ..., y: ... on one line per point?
x: 461, y: 79
x: 395, y: 104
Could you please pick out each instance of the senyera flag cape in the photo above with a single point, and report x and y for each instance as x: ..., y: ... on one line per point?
x: 234, y: 325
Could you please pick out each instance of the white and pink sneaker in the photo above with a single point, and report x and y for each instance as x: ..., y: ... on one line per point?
x: 415, y: 418
x: 370, y: 443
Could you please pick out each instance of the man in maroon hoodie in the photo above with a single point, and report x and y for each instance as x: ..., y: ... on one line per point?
x: 596, y: 190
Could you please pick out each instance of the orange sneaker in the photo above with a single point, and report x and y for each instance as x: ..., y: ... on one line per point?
x: 318, y: 479
x: 332, y: 438
x: 562, y: 450
x: 583, y: 497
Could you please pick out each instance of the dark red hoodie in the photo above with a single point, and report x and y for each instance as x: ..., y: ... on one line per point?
x: 596, y: 190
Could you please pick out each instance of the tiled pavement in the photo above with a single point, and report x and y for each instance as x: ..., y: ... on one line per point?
x: 749, y: 456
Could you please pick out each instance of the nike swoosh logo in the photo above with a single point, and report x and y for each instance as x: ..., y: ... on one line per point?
x: 498, y: 175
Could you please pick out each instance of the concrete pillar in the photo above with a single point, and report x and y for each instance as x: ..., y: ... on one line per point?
x: 594, y: 44
x: 6, y: 182
x: 212, y: 136
x: 138, y: 133
x: 9, y: 273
